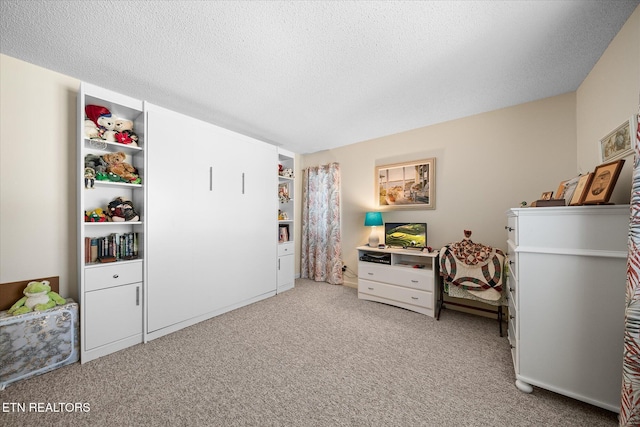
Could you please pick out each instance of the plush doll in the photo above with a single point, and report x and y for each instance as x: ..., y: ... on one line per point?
x: 121, y: 210
x: 94, y: 112
x: 96, y: 215
x: 38, y: 297
x: 107, y: 126
x: 89, y: 177
x: 116, y: 164
x: 91, y: 130
x: 124, y: 133
x: 96, y: 163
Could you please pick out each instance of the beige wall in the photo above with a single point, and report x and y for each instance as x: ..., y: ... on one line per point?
x: 485, y: 164
x: 37, y: 174
x: 608, y: 96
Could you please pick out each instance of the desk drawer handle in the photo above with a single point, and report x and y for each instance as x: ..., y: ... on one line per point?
x: 414, y: 281
x: 115, y: 276
x: 509, y: 228
x: 370, y: 274
x: 414, y: 297
x: 370, y: 289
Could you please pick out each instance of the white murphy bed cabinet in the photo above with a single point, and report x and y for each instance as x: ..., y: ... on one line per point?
x: 210, y: 215
x: 110, y: 293
x: 566, y: 289
x: 205, y: 239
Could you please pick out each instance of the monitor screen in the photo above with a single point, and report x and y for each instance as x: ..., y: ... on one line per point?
x: 405, y: 234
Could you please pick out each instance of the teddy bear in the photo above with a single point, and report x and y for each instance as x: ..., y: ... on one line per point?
x: 116, y: 164
x: 38, y: 296
x: 121, y: 210
x: 107, y: 126
x: 91, y: 131
x: 124, y: 132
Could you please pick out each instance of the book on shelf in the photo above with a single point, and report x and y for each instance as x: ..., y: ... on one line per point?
x: 116, y: 246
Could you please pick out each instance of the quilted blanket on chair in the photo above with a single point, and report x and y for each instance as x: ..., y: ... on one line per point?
x: 473, y: 267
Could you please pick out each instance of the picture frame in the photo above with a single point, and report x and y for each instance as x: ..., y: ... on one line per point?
x: 546, y: 195
x: 618, y: 143
x: 569, y: 189
x: 604, y: 180
x: 406, y: 185
x: 580, y: 191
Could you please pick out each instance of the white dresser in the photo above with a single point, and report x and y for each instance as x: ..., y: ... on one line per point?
x: 566, y: 290
x: 402, y: 277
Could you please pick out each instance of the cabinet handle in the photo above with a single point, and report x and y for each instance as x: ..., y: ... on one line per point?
x: 115, y: 276
x: 509, y: 228
x: 137, y: 295
x: 414, y: 281
x: 512, y: 346
x: 414, y: 297
x: 242, y: 182
x: 210, y: 178
x: 512, y: 289
x: 370, y: 289
x: 370, y: 274
x: 511, y: 316
x: 278, y: 263
x: 512, y: 262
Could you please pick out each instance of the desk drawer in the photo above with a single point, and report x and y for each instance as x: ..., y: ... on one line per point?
x: 115, y: 274
x: 396, y: 293
x: 416, y: 278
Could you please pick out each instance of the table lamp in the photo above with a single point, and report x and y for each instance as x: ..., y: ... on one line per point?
x: 373, y: 219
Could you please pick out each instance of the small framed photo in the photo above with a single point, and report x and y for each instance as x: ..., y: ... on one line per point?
x: 546, y: 195
x: 569, y: 189
x: 618, y: 143
x: 604, y: 180
x: 580, y: 190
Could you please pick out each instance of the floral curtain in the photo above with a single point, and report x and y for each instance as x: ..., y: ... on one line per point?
x: 321, y: 256
x: 630, y: 402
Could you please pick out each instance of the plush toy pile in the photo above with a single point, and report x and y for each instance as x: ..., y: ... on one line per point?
x: 109, y: 167
x: 101, y: 124
x: 118, y: 210
x: 38, y: 296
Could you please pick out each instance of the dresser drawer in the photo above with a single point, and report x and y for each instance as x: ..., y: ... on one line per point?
x: 396, y: 293
x: 512, y: 259
x: 115, y: 274
x: 512, y: 229
x: 285, y: 249
x: 416, y: 278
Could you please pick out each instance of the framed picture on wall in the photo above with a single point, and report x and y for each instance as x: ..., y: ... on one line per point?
x: 618, y: 143
x: 406, y: 185
x: 604, y: 180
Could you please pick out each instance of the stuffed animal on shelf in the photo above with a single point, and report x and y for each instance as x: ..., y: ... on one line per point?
x: 116, y: 164
x: 96, y: 215
x: 91, y: 130
x: 107, y: 128
x: 121, y: 210
x: 96, y: 163
x: 89, y: 177
x: 125, y: 133
x: 38, y: 296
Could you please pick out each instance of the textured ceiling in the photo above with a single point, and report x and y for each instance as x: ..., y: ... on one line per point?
x: 315, y: 75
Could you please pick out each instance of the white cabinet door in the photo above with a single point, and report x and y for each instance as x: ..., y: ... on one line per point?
x: 169, y: 218
x: 109, y: 322
x: 286, y: 275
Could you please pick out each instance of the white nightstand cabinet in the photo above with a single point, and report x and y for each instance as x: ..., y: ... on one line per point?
x: 566, y: 289
x: 400, y: 277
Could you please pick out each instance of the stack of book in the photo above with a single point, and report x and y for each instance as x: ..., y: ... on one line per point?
x: 113, y: 247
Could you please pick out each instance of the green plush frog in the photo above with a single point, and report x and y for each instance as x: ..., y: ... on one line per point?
x: 38, y: 297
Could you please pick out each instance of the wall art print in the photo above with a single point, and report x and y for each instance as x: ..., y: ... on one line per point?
x: 406, y: 185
